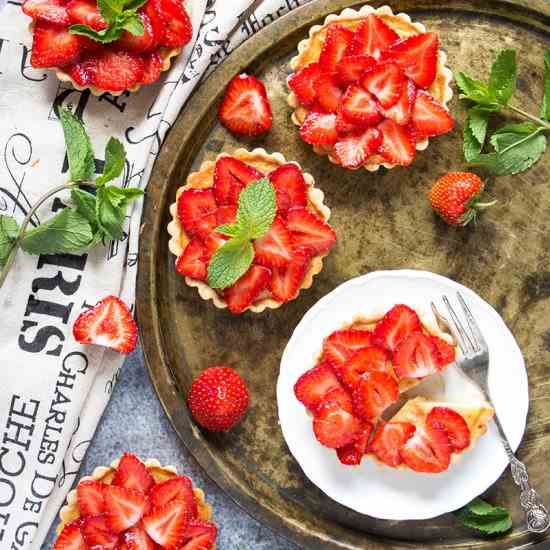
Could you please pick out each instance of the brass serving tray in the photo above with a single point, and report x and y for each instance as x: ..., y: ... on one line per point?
x: 383, y: 221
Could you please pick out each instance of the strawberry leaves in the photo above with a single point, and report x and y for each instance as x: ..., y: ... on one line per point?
x: 482, y: 516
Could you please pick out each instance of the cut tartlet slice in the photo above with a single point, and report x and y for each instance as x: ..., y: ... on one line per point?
x: 135, y: 504
x: 286, y: 258
x: 369, y: 88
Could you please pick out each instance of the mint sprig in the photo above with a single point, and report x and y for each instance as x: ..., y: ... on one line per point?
x: 256, y: 212
x: 483, y: 517
x: 516, y: 147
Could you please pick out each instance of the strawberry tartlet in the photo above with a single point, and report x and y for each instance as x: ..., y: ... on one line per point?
x: 286, y: 258
x: 369, y: 88
x: 126, y: 63
x: 135, y: 505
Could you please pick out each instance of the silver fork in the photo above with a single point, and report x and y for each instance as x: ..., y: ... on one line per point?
x: 475, y: 362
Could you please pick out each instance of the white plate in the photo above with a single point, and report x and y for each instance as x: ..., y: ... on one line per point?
x: 374, y: 489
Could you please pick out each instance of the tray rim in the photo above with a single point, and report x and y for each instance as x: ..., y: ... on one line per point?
x: 157, y: 200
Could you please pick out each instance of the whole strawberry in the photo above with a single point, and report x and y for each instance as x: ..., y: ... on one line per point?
x: 455, y: 197
x: 218, y: 398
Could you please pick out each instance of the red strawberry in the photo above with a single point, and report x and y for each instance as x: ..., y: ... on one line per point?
x: 212, y: 242
x: 335, y: 427
x: 354, y: 150
x: 180, y: 488
x: 70, y: 538
x: 192, y: 261
x: 290, y: 187
x: 50, y: 11
x: 343, y: 344
x: 312, y: 387
x: 152, y: 68
x: 86, y: 12
x: 429, y: 117
x: 309, y: 231
x: 337, y: 40
x: 372, y: 36
x: 197, y: 211
x: 388, y: 441
x: 226, y: 214
x: 53, y: 46
x: 231, y: 175
x: 417, y: 56
x: 453, y: 424
x: 343, y: 125
x: 139, y: 43
x: 83, y: 72
x: 401, y: 112
x: 427, y: 451
x: 286, y: 281
x: 303, y: 83
x: 178, y: 30
x: 245, y: 108
x: 124, y: 507
x: 89, y: 494
x: 118, y: 70
x: 341, y: 396
x: 359, y: 107
x: 153, y: 8
x: 329, y: 93
x: 374, y: 394
x: 385, y: 81
x: 398, y: 145
x: 109, y: 323
x: 218, y: 398
x: 245, y: 291
x: 396, y: 325
x: 201, y: 534
x: 131, y: 473
x: 274, y: 249
x: 447, y: 353
x: 351, y: 68
x: 167, y: 524
x: 97, y: 534
x: 416, y: 357
x: 364, y: 361
x: 352, y: 453
x: 319, y: 128
x: 137, y: 539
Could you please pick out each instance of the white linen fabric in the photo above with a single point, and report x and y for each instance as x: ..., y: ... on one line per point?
x: 52, y: 389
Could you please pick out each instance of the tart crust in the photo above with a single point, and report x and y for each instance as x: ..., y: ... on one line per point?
x: 203, y: 178
x: 310, y: 48
x: 70, y: 511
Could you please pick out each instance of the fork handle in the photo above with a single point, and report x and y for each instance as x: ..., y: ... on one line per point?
x: 536, y: 514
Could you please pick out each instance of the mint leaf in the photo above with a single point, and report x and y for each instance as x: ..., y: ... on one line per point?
x: 110, y: 217
x: 79, y: 147
x: 476, y: 91
x: 9, y: 229
x: 121, y: 196
x: 110, y: 10
x: 545, y: 108
x: 134, y: 5
x: 256, y: 209
x: 105, y: 36
x: 66, y: 232
x: 230, y: 262
x: 484, y: 517
x: 134, y: 24
x: 115, y: 157
x: 229, y: 229
x: 85, y: 204
x: 502, y: 82
x: 475, y: 131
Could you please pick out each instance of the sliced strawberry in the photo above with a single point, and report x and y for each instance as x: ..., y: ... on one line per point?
x: 118, y: 70
x: 417, y: 56
x: 274, y: 249
x: 344, y: 126
x: 389, y: 440
x: 453, y: 424
x: 429, y: 117
x: 447, y: 353
x: 200, y: 535
x: 398, y: 144
x: 336, y: 42
x: 416, y: 357
x: 351, y: 68
x: 374, y: 394
x: 226, y: 214
x: 385, y: 81
x: 319, y: 128
x: 290, y: 187
x: 50, y: 11
x: 352, y: 453
x: 231, y: 175
x: 137, y: 539
x: 312, y: 387
x: 131, y: 473
x: 139, y: 43
x: 70, y: 538
x: 342, y: 397
x: 245, y: 108
x: 86, y: 12
x: 427, y: 451
x: 372, y: 36
x: 83, y: 72
x: 354, y: 150
x: 304, y: 83
x: 97, y: 534
x: 212, y: 242
x: 153, y: 8
x: 124, y: 507
x: 343, y: 344
x: 89, y: 494
x: 197, y: 211
x: 109, y: 323
x: 167, y: 524
x: 53, y: 46
x: 335, y: 427
x: 192, y: 261
x: 364, y: 361
x: 245, y: 291
x: 329, y: 93
x: 309, y: 231
x: 152, y: 67
x: 359, y: 107
x: 396, y: 325
x: 178, y: 30
x: 180, y: 487
x: 287, y: 281
x: 401, y: 112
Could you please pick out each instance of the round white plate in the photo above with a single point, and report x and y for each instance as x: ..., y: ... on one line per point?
x: 374, y: 489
